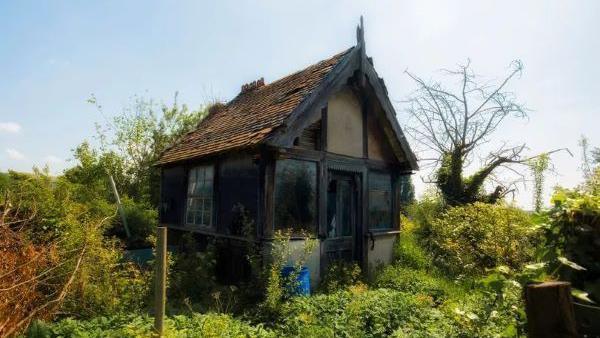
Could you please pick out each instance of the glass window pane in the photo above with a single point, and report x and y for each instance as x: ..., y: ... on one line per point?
x: 295, y: 195
x: 206, y: 218
x: 190, y: 217
x: 345, y: 191
x: 200, y: 193
x: 191, y: 204
x: 208, y: 173
x: 198, y: 218
x: 332, y: 209
x: 380, y: 201
x: 206, y: 205
x: 192, y: 180
x: 205, y: 189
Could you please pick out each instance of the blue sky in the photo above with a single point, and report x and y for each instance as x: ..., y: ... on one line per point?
x: 54, y: 54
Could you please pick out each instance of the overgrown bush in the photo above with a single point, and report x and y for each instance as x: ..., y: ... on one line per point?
x: 122, y: 326
x: 424, y: 212
x: 409, y: 249
x: 415, y: 282
x: 142, y: 220
x: 473, y: 238
x: 573, y: 236
x: 85, y: 269
x: 192, y: 273
x: 357, y: 312
x: 340, y: 275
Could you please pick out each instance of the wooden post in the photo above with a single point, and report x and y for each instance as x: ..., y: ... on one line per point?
x: 549, y: 308
x: 160, y: 279
x: 121, y: 211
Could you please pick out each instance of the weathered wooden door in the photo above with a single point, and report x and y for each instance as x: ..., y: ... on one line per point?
x: 342, y: 219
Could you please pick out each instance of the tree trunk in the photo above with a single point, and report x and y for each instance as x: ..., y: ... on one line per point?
x: 549, y: 308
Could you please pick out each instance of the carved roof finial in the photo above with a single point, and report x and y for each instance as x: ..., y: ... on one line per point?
x: 360, y: 34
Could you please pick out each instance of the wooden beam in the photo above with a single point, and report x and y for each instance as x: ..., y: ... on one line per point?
x: 312, y: 155
x: 323, y: 180
x: 324, y: 128
x: 269, y: 196
x: 365, y: 130
x: 216, y: 205
x: 364, y: 247
x: 260, y: 212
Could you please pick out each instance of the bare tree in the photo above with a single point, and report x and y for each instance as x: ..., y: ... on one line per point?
x: 453, y: 125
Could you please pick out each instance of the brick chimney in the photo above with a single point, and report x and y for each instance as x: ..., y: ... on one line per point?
x: 253, y: 85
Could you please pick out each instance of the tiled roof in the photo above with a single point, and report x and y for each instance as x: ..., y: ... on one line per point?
x: 251, y: 116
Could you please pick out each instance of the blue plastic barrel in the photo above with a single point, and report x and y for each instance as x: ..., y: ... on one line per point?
x: 299, y: 287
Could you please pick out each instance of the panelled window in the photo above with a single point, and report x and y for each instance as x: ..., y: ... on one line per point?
x: 380, y: 201
x: 295, y: 200
x: 200, y: 197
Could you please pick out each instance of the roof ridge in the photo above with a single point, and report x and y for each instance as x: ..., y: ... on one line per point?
x: 281, y: 79
x: 314, y: 65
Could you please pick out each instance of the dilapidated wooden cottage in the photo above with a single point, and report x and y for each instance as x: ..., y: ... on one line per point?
x: 319, y: 150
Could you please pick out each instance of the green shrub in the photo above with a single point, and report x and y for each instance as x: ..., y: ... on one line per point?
x: 409, y: 251
x: 192, y: 273
x: 573, y: 233
x: 352, y: 313
x: 473, y: 238
x: 415, y: 282
x: 358, y: 312
x: 196, y: 325
x: 340, y: 275
x: 142, y: 220
x: 425, y: 211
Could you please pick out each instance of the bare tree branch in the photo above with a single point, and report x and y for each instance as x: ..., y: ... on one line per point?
x: 444, y: 123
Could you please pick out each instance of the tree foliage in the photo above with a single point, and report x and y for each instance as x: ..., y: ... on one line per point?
x: 129, y: 145
x: 133, y: 140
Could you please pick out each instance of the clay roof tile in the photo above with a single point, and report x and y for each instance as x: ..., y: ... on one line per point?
x: 251, y: 116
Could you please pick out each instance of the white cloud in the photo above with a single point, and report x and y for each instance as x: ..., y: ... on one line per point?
x: 51, y: 159
x: 10, y: 127
x: 14, y: 154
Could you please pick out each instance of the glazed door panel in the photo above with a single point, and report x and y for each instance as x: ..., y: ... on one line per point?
x: 342, y: 219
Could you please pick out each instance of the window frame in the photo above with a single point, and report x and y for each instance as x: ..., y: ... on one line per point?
x: 211, y: 196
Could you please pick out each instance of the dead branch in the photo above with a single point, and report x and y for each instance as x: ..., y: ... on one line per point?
x: 451, y: 125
